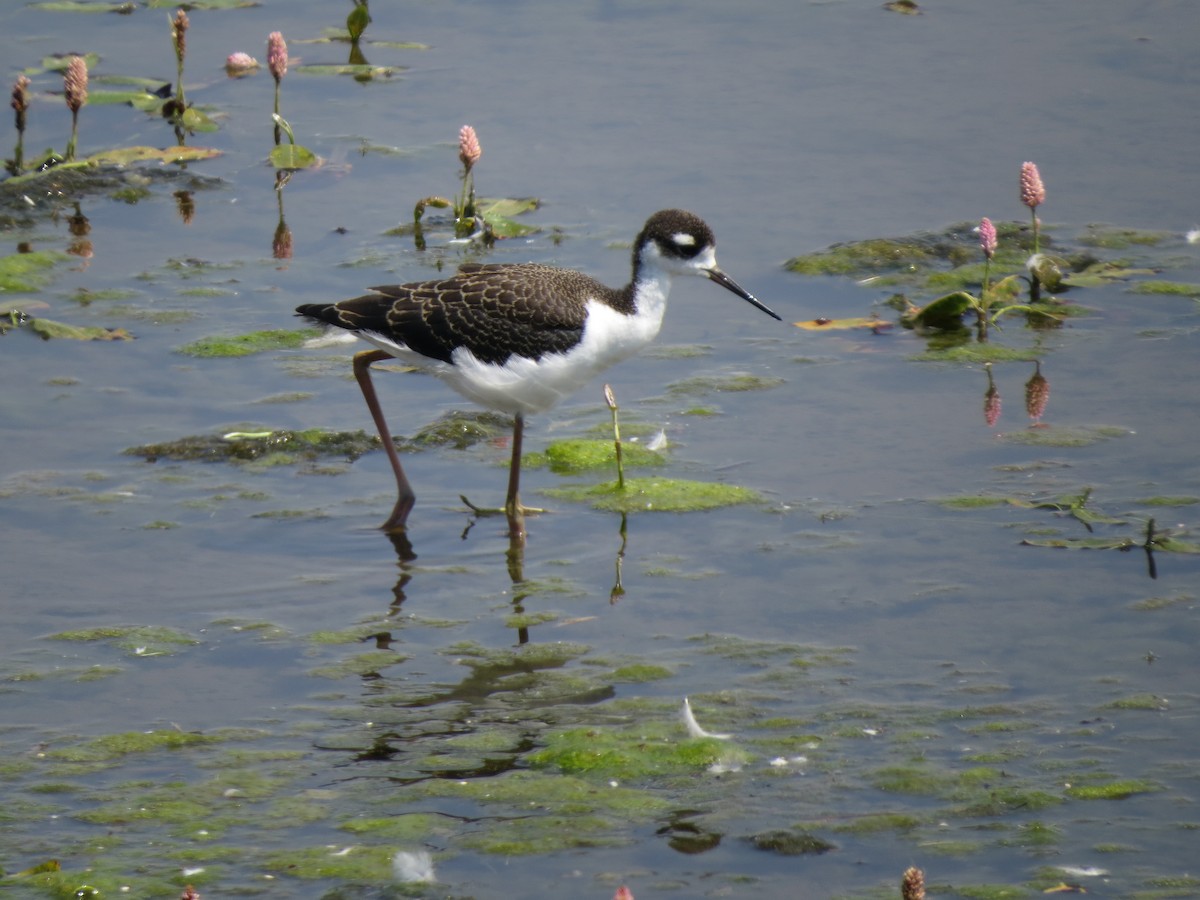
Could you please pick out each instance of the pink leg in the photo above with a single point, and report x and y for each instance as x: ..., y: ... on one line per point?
x: 405, y: 496
x: 512, y: 503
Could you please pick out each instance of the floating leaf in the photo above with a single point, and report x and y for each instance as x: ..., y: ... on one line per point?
x: 400, y: 45
x: 59, y: 62
x: 195, y: 120
x: 507, y: 228
x: 1083, y: 543
x: 507, y: 207
x: 83, y: 6
x: 48, y: 329
x: 1102, y: 273
x: 125, y: 155
x: 874, y: 323
x: 292, y: 156
x: 154, y: 85
x: 365, y: 72
x: 114, y: 98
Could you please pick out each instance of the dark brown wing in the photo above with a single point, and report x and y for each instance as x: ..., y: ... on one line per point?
x: 493, y: 310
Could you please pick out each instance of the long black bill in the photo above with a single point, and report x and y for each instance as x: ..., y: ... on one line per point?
x: 730, y: 285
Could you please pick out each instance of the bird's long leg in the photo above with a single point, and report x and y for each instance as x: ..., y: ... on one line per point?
x: 512, y: 503
x: 405, y: 496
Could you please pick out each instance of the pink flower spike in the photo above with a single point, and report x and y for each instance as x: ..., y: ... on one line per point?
x: 987, y: 237
x: 277, y: 55
x: 1033, y: 192
x: 469, y: 150
x: 75, y: 84
x: 179, y: 27
x: 623, y: 893
x: 20, y: 95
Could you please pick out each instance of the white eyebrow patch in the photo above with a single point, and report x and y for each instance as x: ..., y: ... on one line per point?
x: 683, y: 239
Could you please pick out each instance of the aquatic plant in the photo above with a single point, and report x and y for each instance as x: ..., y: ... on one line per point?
x: 611, y: 401
x: 290, y: 155
x: 358, y: 20
x: 179, y: 27
x: 75, y: 89
x: 993, y: 301
x: 467, y: 220
x: 277, y: 62
x: 1033, y: 195
x: 20, y: 105
x: 912, y: 885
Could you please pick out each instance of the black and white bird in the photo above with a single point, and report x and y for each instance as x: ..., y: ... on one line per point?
x: 518, y: 338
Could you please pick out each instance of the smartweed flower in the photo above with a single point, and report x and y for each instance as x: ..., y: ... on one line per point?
x: 75, y: 88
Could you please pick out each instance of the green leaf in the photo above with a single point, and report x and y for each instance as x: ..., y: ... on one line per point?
x: 59, y: 62
x: 194, y: 120
x: 362, y: 72
x: 125, y: 155
x: 357, y: 21
x: 507, y: 206
x: 292, y: 156
x: 945, y: 312
x: 83, y: 6
x: 1102, y: 273
x: 507, y: 228
x: 284, y: 126
x: 148, y: 103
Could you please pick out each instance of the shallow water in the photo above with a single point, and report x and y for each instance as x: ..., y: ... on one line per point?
x: 924, y: 664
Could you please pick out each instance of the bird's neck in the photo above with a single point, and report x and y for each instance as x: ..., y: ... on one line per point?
x: 646, y: 295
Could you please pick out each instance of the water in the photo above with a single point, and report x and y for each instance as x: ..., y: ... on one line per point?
x: 925, y: 664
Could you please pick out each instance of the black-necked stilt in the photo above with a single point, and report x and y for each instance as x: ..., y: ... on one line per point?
x: 518, y: 338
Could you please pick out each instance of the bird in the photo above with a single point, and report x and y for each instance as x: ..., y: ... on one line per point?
x: 519, y: 337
